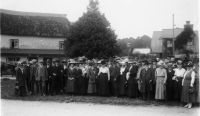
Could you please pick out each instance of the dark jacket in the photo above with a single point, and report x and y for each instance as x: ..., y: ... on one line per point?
x: 20, y: 77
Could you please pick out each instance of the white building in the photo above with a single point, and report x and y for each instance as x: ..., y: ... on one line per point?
x: 32, y: 35
x: 160, y: 38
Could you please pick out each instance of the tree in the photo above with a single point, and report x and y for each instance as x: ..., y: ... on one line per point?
x: 91, y: 36
x: 140, y: 42
x: 187, y: 35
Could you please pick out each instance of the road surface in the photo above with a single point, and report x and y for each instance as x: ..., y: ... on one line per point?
x: 47, y: 108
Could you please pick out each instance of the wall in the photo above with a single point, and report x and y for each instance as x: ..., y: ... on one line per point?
x: 31, y: 42
x: 156, y: 42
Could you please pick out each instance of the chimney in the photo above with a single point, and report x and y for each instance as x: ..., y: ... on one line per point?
x: 188, y: 25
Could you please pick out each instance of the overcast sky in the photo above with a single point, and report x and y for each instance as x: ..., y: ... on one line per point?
x: 129, y: 18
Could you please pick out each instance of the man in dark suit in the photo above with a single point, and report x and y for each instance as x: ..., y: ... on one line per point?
x: 49, y: 73
x: 26, y: 66
x: 52, y: 78
x: 33, y: 68
x: 21, y: 79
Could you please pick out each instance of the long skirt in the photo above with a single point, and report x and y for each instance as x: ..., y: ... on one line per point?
x: 178, y: 89
x: 132, y: 88
x: 113, y: 87
x: 22, y: 91
x: 71, y: 85
x: 197, y: 90
x: 160, y: 88
x: 80, y: 85
x: 187, y: 97
x: 122, y: 85
x: 103, y: 89
x: 91, y: 87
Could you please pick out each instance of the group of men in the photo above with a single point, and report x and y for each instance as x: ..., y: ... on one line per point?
x: 135, y: 80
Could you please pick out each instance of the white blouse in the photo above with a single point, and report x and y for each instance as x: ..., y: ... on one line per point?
x: 122, y: 69
x: 179, y: 72
x: 104, y: 70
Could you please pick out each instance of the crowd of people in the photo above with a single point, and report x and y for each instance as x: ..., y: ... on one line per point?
x: 148, y: 80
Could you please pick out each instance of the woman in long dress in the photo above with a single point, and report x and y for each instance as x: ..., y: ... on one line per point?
x: 92, y: 80
x: 187, y: 84
x: 132, y: 88
x: 104, y: 77
x: 170, y: 84
x: 122, y: 81
x: 71, y: 79
x: 161, y: 78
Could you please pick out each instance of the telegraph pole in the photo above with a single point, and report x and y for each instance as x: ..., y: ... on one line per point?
x: 173, y: 38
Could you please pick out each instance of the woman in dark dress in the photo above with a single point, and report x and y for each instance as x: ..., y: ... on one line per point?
x: 170, y: 83
x: 104, y: 77
x: 80, y: 82
x: 71, y: 79
x: 132, y: 88
x: 122, y: 81
x: 92, y: 83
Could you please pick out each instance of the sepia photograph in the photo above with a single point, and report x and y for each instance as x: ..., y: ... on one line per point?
x: 99, y: 58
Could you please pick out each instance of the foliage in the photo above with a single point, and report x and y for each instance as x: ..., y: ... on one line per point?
x: 187, y: 35
x: 140, y: 42
x: 91, y: 36
x: 24, y: 25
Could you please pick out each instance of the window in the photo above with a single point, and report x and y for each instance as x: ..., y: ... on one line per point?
x: 14, y: 43
x: 169, y: 44
x: 61, y: 45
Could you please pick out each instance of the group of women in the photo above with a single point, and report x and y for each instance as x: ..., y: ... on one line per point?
x: 148, y: 80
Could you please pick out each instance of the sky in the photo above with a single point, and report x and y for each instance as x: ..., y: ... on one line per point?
x: 128, y: 18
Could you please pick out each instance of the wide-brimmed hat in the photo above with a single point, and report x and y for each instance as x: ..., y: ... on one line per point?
x: 41, y: 61
x: 160, y: 63
x: 189, y: 64
x: 103, y: 62
x: 179, y: 62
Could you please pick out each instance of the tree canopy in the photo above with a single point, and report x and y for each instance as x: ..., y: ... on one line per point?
x: 187, y: 35
x: 91, y: 35
x: 140, y: 42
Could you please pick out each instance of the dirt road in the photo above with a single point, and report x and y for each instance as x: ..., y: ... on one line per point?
x: 32, y: 108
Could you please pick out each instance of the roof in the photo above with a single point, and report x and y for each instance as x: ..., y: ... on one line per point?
x: 21, y: 13
x: 33, y: 24
x: 168, y: 33
x: 32, y: 51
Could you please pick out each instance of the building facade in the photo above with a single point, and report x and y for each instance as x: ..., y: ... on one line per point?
x: 32, y: 35
x: 162, y: 41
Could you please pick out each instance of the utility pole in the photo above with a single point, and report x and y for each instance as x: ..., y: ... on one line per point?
x: 173, y: 38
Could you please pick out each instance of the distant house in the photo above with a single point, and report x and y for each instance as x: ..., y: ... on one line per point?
x: 162, y: 43
x: 141, y: 51
x: 26, y: 35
